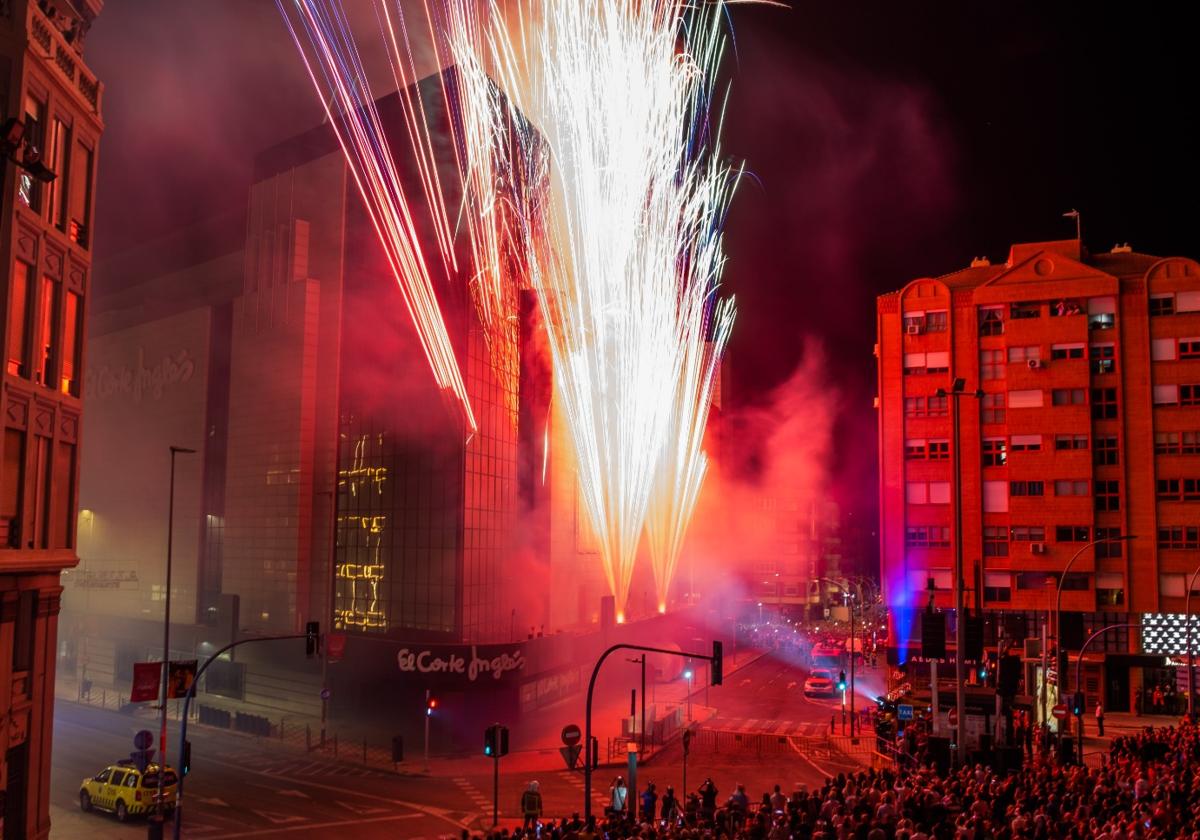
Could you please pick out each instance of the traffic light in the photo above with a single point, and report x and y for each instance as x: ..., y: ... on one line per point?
x: 973, y: 638
x: 983, y: 672
x: 495, y: 741
x: 933, y: 635
x: 718, y: 662
x: 1078, y: 704
x: 312, y: 638
x: 431, y: 703
x: 841, y: 681
x: 185, y: 758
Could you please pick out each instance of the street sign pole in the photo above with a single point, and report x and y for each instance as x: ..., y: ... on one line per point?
x: 495, y: 790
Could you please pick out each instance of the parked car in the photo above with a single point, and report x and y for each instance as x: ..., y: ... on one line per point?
x: 126, y: 791
x: 819, y: 683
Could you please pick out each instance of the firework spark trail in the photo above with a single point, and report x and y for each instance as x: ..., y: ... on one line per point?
x: 626, y: 259
x: 340, y: 79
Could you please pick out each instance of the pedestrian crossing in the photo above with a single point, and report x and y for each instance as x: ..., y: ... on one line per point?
x: 300, y: 767
x: 473, y: 793
x: 769, y: 726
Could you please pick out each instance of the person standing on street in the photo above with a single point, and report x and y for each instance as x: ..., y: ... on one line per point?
x: 1099, y: 718
x: 619, y: 794
x: 531, y: 805
x: 649, y: 803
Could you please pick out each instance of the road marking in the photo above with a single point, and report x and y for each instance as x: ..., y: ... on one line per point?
x: 277, y: 818
x: 298, y: 794
x: 436, y: 813
x: 362, y: 810
x: 211, y: 800
x: 335, y: 824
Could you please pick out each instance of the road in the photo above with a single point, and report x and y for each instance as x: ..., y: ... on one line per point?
x: 242, y: 786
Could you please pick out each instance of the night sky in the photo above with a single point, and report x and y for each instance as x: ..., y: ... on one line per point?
x: 883, y: 141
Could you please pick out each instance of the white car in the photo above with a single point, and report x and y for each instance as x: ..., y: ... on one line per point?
x: 819, y: 684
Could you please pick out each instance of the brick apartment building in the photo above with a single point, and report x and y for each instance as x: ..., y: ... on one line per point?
x: 1087, y: 428
x: 50, y: 108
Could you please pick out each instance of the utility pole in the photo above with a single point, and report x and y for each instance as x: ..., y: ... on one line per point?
x: 156, y: 826
x: 957, y: 391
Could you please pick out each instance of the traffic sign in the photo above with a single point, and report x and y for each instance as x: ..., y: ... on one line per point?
x: 143, y: 739
x: 954, y: 716
x: 570, y: 754
x: 571, y: 734
x: 1060, y: 711
x: 904, y: 712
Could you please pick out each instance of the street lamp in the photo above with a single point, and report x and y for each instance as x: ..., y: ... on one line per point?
x: 689, y: 673
x: 958, y: 391
x: 1058, y: 613
x: 760, y: 612
x: 1191, y: 656
x: 162, y: 743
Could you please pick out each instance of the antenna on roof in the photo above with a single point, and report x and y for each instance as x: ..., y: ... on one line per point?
x: 1074, y: 214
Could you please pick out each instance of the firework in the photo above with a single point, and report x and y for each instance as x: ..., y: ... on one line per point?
x: 621, y: 239
x: 322, y: 35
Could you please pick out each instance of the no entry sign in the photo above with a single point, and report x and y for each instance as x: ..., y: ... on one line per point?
x: 571, y: 734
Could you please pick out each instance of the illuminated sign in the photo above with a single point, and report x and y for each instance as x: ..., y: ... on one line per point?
x: 1167, y: 633
x: 466, y: 662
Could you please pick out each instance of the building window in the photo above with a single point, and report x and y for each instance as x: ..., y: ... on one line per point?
x: 914, y: 450
x: 1179, y: 537
x: 992, y: 408
x: 914, y: 322
x: 1110, y: 590
x: 1072, y: 581
x: 991, y: 364
x: 991, y: 320
x: 29, y: 189
x: 49, y: 332
x: 1067, y: 442
x: 1024, y: 310
x: 995, y: 497
x: 24, y: 631
x: 1162, y: 349
x: 939, y: 450
x: 1102, y: 313
x: 1068, y: 396
x: 1166, y: 394
x: 1172, y: 586
x: 928, y: 493
x: 1108, y: 550
x: 1071, y: 533
x: 1026, y: 443
x: 1177, y: 443
x: 62, y: 527
x: 1026, y: 399
x: 20, y: 316
x: 1189, y: 394
x: 927, y: 536
x: 58, y: 146
x: 1027, y: 533
x: 936, y: 320
x: 72, y: 344
x: 1107, y: 495
x: 995, y: 541
x: 1189, y: 348
x: 1027, y: 353
x: 12, y: 493
x: 1065, y: 307
x: 81, y: 195
x: 939, y: 406
x: 1178, y: 489
x: 1104, y: 358
x: 1106, y: 453
x: 1104, y: 403
x: 915, y: 362
x: 997, y: 586
x: 1066, y: 351
x: 1069, y: 487
x: 1035, y: 580
x: 1162, y: 304
x: 995, y: 452
x: 1026, y: 488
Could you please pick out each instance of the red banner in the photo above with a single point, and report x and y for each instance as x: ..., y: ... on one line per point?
x: 147, y: 678
x: 335, y: 646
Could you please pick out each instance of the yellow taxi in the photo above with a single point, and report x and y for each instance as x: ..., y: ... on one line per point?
x: 126, y: 791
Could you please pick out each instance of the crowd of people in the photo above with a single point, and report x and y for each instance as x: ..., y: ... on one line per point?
x: 1146, y: 786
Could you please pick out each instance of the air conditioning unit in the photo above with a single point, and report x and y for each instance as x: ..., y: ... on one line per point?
x: 1036, y: 364
x: 1037, y: 548
x: 915, y: 329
